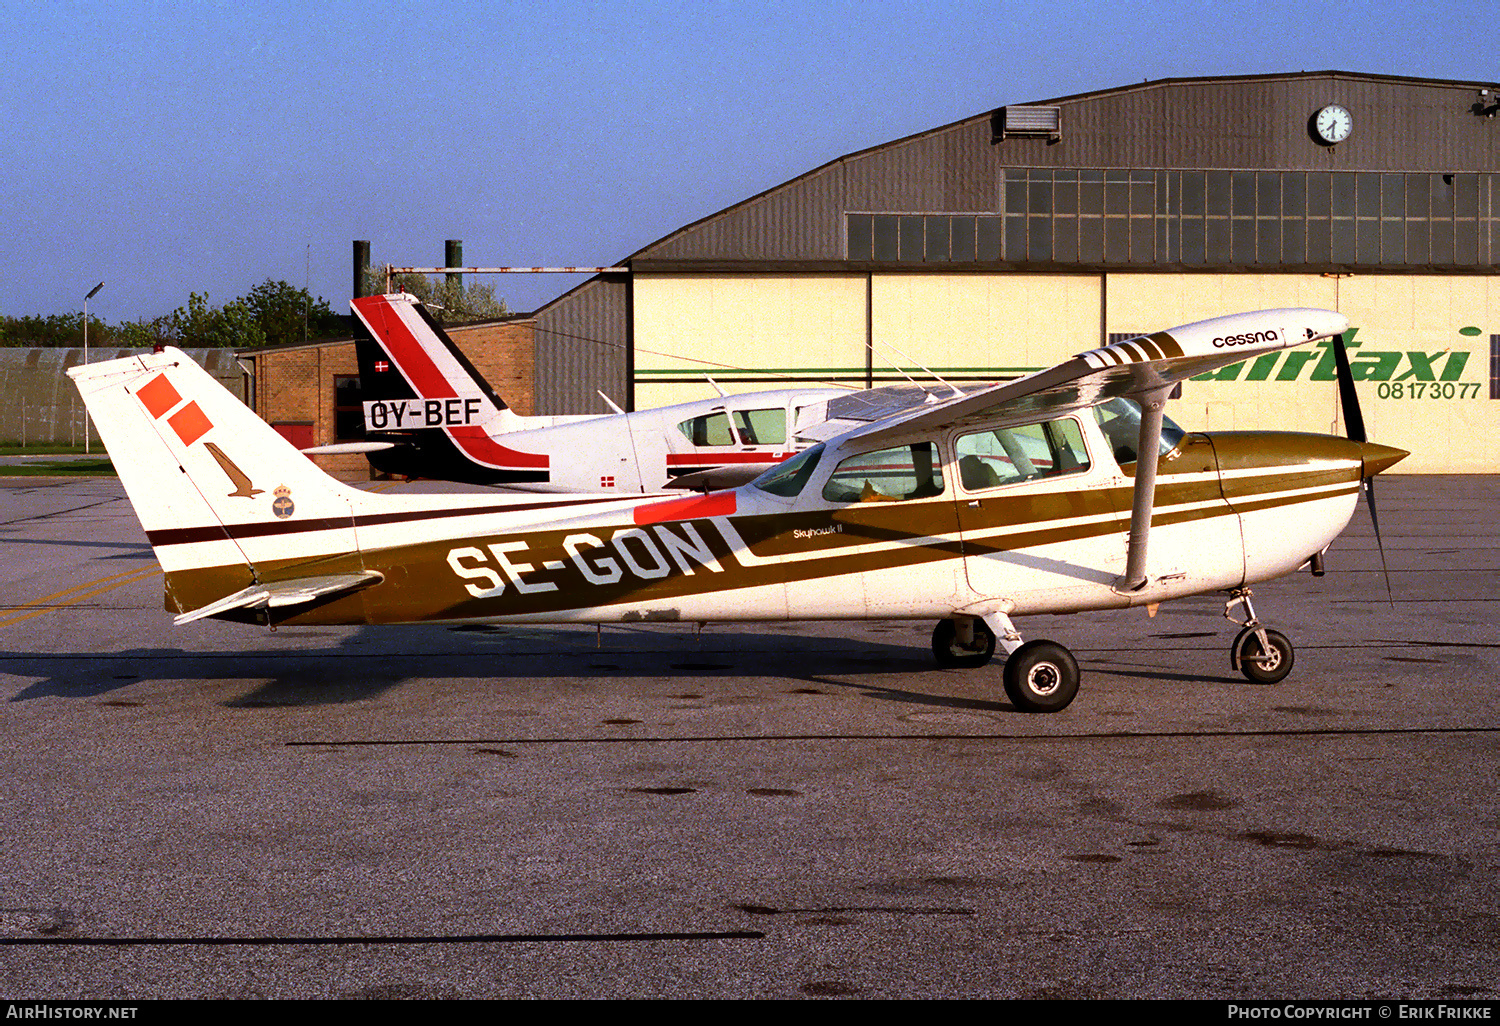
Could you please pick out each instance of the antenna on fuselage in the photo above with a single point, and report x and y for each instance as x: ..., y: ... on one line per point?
x: 930, y: 372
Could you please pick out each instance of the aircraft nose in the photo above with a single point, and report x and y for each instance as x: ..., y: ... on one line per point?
x: 1379, y: 457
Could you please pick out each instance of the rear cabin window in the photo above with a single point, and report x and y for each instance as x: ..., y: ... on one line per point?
x: 989, y: 459
x: 709, y: 429
x: 889, y: 475
x: 761, y: 427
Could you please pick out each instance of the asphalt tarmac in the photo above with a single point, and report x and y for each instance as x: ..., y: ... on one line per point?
x: 776, y: 810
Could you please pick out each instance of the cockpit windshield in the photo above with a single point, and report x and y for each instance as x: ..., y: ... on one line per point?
x: 1121, y: 421
x: 787, y: 479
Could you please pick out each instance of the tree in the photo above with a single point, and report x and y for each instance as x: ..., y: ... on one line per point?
x: 272, y: 314
x: 144, y: 334
x: 198, y: 326
x: 449, y: 302
x: 54, y: 330
x: 287, y: 314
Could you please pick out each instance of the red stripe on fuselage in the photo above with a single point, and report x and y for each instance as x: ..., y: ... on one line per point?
x: 716, y: 504
x: 710, y: 458
x: 478, y: 445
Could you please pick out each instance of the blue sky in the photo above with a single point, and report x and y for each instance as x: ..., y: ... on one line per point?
x: 168, y: 148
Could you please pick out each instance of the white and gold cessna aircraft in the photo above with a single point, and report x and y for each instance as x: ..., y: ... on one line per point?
x: 1022, y: 498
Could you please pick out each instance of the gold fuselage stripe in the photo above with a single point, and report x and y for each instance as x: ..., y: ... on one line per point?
x: 422, y: 585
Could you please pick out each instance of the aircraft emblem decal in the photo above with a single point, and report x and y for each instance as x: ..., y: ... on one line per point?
x: 282, y: 504
x: 244, y: 488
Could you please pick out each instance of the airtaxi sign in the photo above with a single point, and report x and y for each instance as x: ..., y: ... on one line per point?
x: 1420, y: 373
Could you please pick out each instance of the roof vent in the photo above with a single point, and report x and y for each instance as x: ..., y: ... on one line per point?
x: 1040, y: 122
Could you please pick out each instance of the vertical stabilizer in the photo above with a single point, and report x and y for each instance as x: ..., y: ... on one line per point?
x: 431, y: 365
x: 224, y: 499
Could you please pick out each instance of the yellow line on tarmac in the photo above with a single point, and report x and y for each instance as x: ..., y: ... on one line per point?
x: 48, y: 603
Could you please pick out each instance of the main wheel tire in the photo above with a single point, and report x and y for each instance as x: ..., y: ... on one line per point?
x: 947, y: 651
x: 1259, y: 666
x: 1041, y: 676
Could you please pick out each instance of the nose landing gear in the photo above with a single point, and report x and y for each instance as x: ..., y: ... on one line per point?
x: 1262, y: 655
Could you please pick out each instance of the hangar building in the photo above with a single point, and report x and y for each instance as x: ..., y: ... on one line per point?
x: 1014, y: 239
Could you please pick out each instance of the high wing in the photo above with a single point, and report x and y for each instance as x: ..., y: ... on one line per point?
x: 1131, y: 368
x: 1144, y: 369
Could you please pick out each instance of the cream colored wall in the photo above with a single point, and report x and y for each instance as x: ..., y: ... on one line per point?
x: 783, y: 330
x: 989, y: 326
x: 1446, y: 424
x: 812, y: 330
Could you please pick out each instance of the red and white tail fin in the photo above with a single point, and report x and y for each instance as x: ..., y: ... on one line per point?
x: 432, y: 365
x: 224, y: 499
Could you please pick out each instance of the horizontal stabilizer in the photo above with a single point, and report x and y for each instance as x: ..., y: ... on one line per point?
x: 731, y: 476
x: 346, y: 448
x: 283, y: 593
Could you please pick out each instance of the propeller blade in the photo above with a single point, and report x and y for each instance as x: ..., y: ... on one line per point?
x: 1369, y: 490
x: 1354, y: 420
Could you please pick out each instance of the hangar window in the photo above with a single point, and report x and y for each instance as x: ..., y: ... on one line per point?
x: 1495, y: 366
x: 922, y: 238
x: 1250, y: 218
x: 348, y: 408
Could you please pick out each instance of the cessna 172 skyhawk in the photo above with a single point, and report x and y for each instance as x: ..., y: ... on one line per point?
x: 446, y: 423
x: 1021, y: 498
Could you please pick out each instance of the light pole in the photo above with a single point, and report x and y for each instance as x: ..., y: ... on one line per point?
x: 92, y: 293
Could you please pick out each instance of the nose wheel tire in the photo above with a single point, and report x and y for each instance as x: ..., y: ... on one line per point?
x: 1259, y: 665
x: 948, y: 652
x: 1041, y: 676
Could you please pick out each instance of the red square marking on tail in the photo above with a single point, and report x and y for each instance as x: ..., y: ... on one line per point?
x: 158, y: 395
x: 190, y: 423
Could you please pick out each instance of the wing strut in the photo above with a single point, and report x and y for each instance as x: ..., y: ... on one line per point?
x: 1147, y: 451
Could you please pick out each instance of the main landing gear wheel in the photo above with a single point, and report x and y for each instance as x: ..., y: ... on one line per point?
x: 1258, y: 664
x: 948, y: 652
x: 1041, y: 676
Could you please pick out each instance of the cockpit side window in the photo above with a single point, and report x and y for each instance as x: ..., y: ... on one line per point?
x: 1120, y: 420
x: 708, y: 430
x: 989, y: 459
x: 788, y: 478
x: 761, y: 427
x: 888, y: 475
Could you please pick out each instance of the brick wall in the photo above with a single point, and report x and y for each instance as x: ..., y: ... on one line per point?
x: 295, y: 385
x: 505, y: 356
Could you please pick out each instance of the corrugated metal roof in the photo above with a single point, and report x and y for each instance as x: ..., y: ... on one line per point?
x: 1232, y: 121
